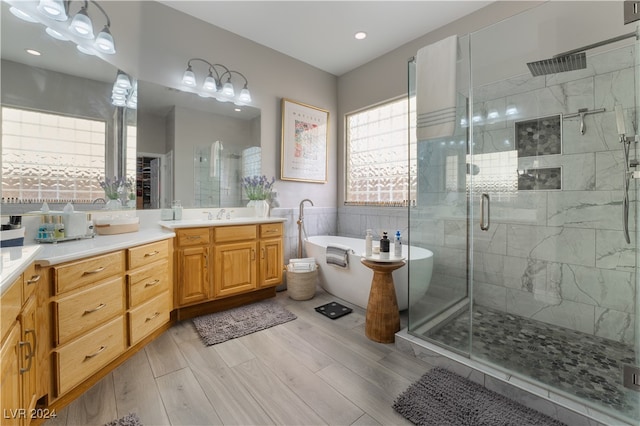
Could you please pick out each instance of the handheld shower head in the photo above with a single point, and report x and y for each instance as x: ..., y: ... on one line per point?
x: 620, y: 120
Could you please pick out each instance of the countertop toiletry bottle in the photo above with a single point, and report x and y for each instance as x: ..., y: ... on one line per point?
x: 177, y: 210
x: 368, y: 244
x: 42, y: 229
x: 384, y: 246
x: 89, y: 225
x: 397, y: 246
x: 58, y: 228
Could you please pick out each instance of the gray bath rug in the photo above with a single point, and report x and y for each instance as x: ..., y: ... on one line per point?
x: 130, y: 419
x: 443, y: 398
x: 226, y: 325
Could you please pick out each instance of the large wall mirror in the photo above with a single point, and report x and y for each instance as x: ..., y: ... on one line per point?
x: 66, y: 134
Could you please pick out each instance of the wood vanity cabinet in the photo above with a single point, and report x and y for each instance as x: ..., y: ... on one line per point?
x: 244, y: 258
x: 192, y: 265
x: 18, y: 357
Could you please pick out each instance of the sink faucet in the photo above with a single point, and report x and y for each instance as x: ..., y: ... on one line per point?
x: 209, y: 215
x: 220, y: 213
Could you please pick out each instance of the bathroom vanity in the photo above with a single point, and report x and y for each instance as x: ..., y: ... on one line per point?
x: 72, y: 312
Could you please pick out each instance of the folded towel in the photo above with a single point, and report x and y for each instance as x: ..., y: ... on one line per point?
x: 216, y: 153
x: 338, y: 255
x: 436, y: 89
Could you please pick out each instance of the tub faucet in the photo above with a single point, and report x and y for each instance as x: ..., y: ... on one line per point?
x: 301, y: 225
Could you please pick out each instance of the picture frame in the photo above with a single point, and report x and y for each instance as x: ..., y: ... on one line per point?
x: 303, y: 154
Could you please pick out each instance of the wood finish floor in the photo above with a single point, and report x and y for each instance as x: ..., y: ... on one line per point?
x: 310, y: 371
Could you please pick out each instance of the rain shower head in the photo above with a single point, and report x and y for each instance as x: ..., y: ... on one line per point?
x: 562, y: 63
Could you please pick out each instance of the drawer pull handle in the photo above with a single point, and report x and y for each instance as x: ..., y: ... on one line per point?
x: 97, y: 308
x: 28, y: 357
x: 152, y: 283
x: 35, y: 339
x: 34, y: 279
x: 271, y: 231
x: 95, y: 271
x: 156, y: 315
x: 102, y: 348
x: 262, y: 253
x: 153, y: 253
x: 193, y: 237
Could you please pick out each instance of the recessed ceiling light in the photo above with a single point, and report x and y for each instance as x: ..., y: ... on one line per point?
x: 33, y: 52
x: 360, y: 35
x: 237, y: 109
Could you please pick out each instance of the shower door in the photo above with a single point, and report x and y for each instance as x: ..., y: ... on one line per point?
x: 553, y: 278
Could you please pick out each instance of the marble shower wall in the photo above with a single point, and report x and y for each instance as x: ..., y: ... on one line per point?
x: 558, y: 256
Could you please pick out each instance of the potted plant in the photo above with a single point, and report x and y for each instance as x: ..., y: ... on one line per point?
x: 258, y: 189
x: 113, y: 189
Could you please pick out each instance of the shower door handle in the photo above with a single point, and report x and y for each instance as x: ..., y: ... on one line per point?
x: 485, y: 225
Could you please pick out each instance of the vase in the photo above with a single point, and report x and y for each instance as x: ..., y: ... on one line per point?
x: 261, y: 207
x: 113, y: 204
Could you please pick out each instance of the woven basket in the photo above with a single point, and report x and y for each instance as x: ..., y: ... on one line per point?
x: 301, y: 285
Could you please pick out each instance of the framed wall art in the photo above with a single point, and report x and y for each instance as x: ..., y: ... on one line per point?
x: 304, y: 142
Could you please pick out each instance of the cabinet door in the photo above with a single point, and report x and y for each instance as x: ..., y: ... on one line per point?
x: 10, y: 390
x: 271, y: 262
x: 28, y: 359
x: 234, y: 268
x: 193, y: 275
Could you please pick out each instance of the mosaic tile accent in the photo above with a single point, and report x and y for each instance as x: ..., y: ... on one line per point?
x: 536, y: 179
x: 540, y: 136
x: 580, y: 364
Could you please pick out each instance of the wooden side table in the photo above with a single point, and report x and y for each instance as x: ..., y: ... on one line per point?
x: 383, y: 317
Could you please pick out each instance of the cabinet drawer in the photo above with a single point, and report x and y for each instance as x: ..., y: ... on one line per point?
x: 77, y: 274
x: 10, y: 305
x: 84, y: 310
x: 146, y: 318
x: 234, y: 233
x: 147, y: 254
x: 192, y: 236
x: 268, y: 230
x: 147, y: 283
x: 30, y: 281
x: 88, y: 354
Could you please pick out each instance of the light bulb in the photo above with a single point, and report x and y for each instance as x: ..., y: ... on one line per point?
x: 210, y: 83
x: 189, y: 78
x: 81, y: 25
x: 227, y: 89
x: 55, y: 34
x: 53, y: 9
x: 104, y: 42
x: 245, y: 96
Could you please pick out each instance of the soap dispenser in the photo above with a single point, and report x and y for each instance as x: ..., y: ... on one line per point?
x: 397, y: 246
x: 384, y: 246
x: 368, y: 244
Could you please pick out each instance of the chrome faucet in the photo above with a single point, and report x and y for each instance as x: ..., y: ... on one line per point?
x: 220, y: 213
x: 301, y: 225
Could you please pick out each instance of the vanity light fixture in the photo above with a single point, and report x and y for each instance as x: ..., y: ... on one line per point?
x: 55, y: 16
x: 124, y: 92
x: 212, y: 85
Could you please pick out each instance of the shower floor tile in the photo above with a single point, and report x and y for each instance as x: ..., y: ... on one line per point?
x: 587, y: 366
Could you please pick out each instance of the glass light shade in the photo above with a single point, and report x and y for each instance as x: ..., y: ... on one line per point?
x: 104, y: 42
x: 132, y: 104
x: 86, y: 50
x: 210, y: 84
x: 55, y: 34
x: 189, y: 78
x: 511, y: 110
x: 493, y: 114
x: 245, y: 96
x: 81, y: 25
x: 20, y: 14
x: 53, y: 9
x: 116, y: 96
x: 119, y: 90
x: 119, y: 102
x: 227, y: 90
x: 122, y: 81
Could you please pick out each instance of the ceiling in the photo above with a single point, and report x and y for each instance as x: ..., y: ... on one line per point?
x: 321, y: 33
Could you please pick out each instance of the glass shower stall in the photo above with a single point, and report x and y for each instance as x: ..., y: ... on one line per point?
x: 530, y: 206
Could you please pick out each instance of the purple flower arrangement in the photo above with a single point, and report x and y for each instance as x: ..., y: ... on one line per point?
x: 113, y: 187
x: 257, y: 187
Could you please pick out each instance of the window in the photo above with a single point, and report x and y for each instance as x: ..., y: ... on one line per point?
x: 380, y: 155
x: 50, y: 157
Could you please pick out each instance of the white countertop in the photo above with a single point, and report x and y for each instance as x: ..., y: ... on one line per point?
x: 14, y: 261
x: 201, y: 223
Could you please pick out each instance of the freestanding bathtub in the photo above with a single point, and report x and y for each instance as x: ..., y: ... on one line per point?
x: 353, y: 283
